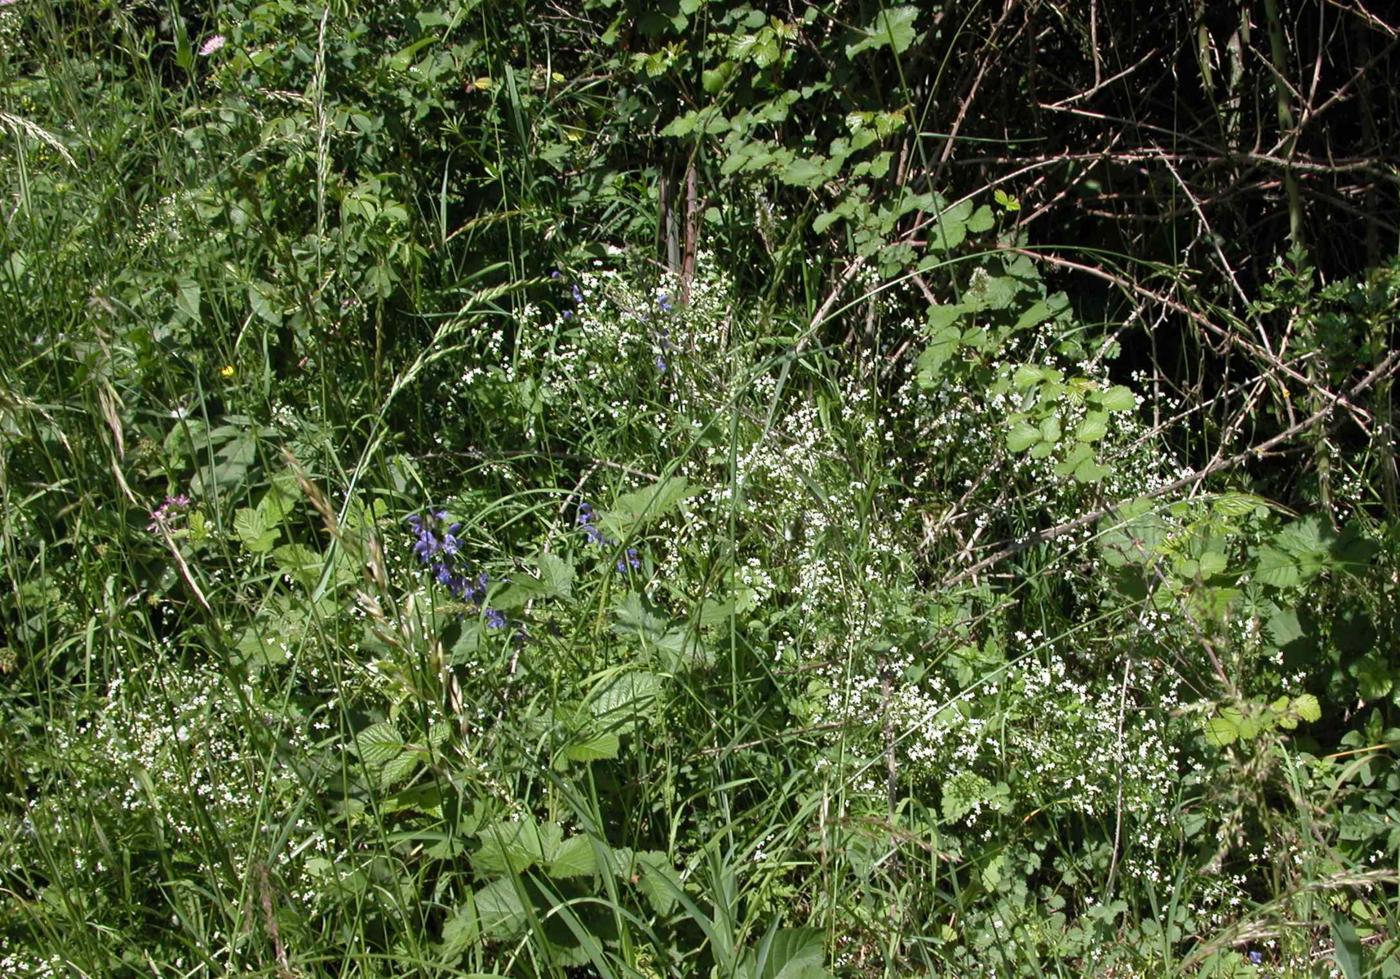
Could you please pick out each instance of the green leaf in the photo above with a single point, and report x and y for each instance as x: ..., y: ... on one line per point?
x: 624, y: 699
x: 892, y: 27
x: 1221, y: 731
x: 461, y: 931
x: 500, y: 910
x: 981, y: 220
x: 378, y: 743
x: 803, y: 172
x: 252, y: 531
x: 638, y: 507
x: 299, y: 562
x: 593, y: 745
x: 556, y: 576
x: 1093, y: 427
x: 789, y: 953
x: 1277, y: 568
x: 1307, y: 707
x: 1347, y: 946
x: 187, y: 298
x: 1022, y: 436
x: 509, y: 847
x: 1117, y: 398
x: 575, y: 857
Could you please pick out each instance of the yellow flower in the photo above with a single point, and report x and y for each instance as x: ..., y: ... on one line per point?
x: 226, y: 370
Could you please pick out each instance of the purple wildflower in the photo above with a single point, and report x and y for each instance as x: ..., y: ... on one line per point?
x: 495, y: 619
x: 629, y: 560
x: 664, y: 301
x: 210, y: 46
x: 163, y: 514
x: 591, y: 530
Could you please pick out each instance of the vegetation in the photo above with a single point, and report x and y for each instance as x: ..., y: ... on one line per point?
x: 699, y: 488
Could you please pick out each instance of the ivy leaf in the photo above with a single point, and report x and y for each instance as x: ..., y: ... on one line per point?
x: 893, y: 27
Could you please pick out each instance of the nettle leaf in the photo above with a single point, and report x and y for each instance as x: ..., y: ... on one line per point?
x: 500, y: 909
x: 892, y: 27
x: 1277, y: 568
x: 628, y: 697
x: 631, y: 510
x: 1116, y: 398
x: 593, y: 745
x: 1221, y: 731
x: 379, y: 743
x: 1022, y: 436
x: 253, y: 532
x: 651, y: 872
x: 298, y: 562
x: 575, y: 857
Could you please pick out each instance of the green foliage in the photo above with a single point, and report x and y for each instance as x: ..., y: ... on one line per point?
x: 842, y: 596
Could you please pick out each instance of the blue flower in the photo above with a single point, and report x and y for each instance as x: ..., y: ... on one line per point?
x: 590, y: 529
x: 664, y: 302
x: 495, y: 619
x: 629, y: 560
x: 1256, y: 957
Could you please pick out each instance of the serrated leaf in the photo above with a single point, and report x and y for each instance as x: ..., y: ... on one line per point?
x: 1022, y: 436
x: 298, y: 562
x: 803, y: 172
x: 624, y: 699
x: 379, y: 743
x: 1090, y: 471
x: 981, y: 220
x: 556, y: 576
x: 461, y: 931
x: 593, y: 745
x: 1221, y: 731
x: 1277, y: 568
x: 640, y: 506
x: 187, y: 298
x: 650, y: 871
x: 1117, y: 398
x: 789, y: 953
x: 574, y: 858
x: 509, y: 847
x: 253, y: 532
x: 500, y: 910
x: 1307, y: 707
x: 1093, y: 427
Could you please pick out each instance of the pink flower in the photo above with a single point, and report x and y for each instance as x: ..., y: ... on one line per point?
x: 208, y: 47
